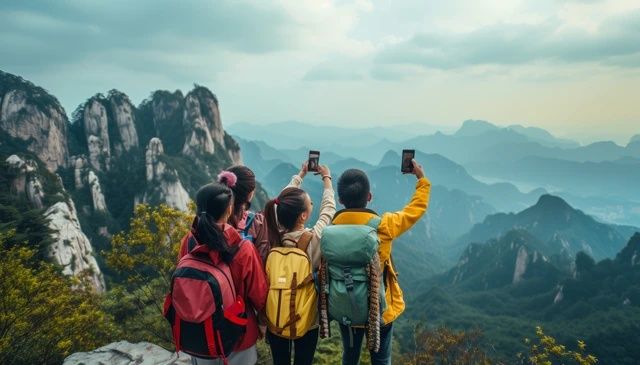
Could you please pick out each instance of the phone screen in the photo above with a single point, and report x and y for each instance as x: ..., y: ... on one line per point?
x: 314, y: 160
x: 407, y: 157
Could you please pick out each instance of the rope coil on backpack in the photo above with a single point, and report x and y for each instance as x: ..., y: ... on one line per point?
x: 324, y: 303
x: 373, y: 325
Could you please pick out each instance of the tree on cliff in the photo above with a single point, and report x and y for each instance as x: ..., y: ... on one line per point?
x: 45, y: 316
x: 145, y: 257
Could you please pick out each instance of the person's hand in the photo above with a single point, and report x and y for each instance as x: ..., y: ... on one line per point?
x: 323, y: 170
x: 304, y: 169
x: 417, y: 169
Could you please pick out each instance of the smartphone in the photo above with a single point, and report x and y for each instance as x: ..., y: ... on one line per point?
x: 314, y: 161
x: 407, y: 157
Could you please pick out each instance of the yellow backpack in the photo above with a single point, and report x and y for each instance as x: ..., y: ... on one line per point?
x: 292, y: 302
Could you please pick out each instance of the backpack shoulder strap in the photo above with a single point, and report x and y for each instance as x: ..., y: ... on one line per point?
x: 374, y: 222
x: 251, y: 216
x: 304, y: 240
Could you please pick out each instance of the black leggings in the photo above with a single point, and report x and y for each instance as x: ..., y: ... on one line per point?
x: 304, y: 348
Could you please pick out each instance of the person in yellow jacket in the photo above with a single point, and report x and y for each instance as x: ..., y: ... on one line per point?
x: 354, y: 194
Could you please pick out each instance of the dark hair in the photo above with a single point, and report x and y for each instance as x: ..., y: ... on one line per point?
x: 245, y: 184
x: 353, y: 189
x: 284, y: 211
x: 212, y: 201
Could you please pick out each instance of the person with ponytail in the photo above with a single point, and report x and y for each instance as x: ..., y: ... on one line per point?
x: 242, y: 181
x: 214, y: 206
x: 286, y: 217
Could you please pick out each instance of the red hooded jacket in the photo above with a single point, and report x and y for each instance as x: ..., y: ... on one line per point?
x: 249, y: 279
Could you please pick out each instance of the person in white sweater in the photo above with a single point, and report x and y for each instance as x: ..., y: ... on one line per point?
x: 286, y: 217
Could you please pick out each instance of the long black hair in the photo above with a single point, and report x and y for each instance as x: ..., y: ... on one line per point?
x: 212, y: 201
x: 284, y: 211
x: 243, y: 186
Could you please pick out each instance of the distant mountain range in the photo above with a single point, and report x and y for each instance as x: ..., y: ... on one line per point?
x: 562, y: 230
x: 599, y: 178
x: 507, y: 285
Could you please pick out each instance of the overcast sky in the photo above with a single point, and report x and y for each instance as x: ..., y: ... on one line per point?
x: 570, y: 66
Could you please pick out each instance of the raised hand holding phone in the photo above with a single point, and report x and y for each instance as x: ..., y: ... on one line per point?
x: 407, y: 158
x: 314, y: 161
x: 418, y: 170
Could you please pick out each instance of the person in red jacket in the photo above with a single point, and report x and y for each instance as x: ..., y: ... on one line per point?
x: 250, y: 224
x: 214, y: 204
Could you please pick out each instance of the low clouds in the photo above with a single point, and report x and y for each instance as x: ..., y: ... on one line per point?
x: 367, y: 60
x: 516, y: 44
x: 43, y: 34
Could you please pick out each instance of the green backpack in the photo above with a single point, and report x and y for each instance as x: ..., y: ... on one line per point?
x: 352, y: 284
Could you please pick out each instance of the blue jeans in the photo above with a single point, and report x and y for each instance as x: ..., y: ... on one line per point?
x: 351, y: 355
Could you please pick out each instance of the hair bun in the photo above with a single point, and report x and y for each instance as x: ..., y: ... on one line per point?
x: 228, y: 178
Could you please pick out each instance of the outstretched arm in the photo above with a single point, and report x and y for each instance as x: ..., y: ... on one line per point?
x: 296, y: 180
x: 395, y: 224
x: 328, y: 204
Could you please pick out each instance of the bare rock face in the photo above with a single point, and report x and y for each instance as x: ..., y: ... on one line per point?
x: 42, y: 127
x: 199, y: 140
x: 126, y: 353
x: 123, y: 113
x: 96, y: 129
x: 164, y: 182
x: 72, y: 249
x: 99, y: 203
x: 26, y: 181
x: 79, y: 167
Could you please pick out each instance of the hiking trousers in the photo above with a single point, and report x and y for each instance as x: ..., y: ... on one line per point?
x: 244, y: 357
x: 304, y: 348
x: 351, y: 355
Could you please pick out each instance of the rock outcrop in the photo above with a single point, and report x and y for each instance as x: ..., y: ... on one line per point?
x: 126, y: 353
x: 97, y: 197
x: 163, y: 182
x: 26, y: 180
x: 31, y: 115
x: 122, y: 111
x: 199, y: 120
x: 72, y: 249
x: 96, y: 129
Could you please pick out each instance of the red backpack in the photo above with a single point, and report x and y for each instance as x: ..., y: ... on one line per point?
x: 207, y: 317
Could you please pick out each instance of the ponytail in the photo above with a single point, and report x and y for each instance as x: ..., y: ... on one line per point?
x: 273, y: 228
x: 212, y: 201
x: 281, y: 213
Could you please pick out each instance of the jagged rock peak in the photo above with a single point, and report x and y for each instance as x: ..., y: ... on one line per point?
x: 72, y: 249
x: 163, y: 182
x: 29, y: 113
x: 123, y: 113
x: 202, y: 123
x: 96, y: 132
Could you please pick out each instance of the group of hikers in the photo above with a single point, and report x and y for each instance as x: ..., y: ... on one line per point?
x: 243, y: 275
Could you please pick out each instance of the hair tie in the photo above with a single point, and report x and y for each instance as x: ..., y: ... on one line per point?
x: 275, y: 212
x: 228, y: 178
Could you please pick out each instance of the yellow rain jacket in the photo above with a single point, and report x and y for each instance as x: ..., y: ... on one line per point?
x: 391, y: 227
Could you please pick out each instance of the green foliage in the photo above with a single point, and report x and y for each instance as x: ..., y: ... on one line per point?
x: 16, y: 213
x: 444, y: 346
x: 45, y: 316
x: 545, y: 350
x: 146, y: 254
